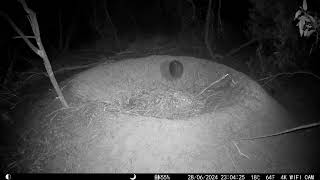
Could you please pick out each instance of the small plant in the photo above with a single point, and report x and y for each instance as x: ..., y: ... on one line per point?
x: 308, y: 23
x: 286, y: 49
x: 280, y: 48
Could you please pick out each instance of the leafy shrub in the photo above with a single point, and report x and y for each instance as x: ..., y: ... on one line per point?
x: 280, y: 47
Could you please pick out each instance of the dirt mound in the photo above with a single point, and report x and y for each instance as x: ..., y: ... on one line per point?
x: 130, y: 116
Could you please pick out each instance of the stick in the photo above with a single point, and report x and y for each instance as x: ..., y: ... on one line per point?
x: 235, y: 50
x: 302, y: 127
x: 212, y: 84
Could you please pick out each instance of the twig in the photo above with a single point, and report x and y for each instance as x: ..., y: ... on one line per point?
x: 66, y: 84
x: 19, y: 37
x: 220, y: 27
x: 12, y: 165
x: 206, y: 29
x: 53, y: 117
x: 302, y: 127
x: 235, y: 50
x: 230, y: 157
x: 113, y: 28
x: 270, y: 78
x: 55, y: 112
x: 9, y: 92
x: 242, y: 154
x: 32, y: 75
x: 60, y: 109
x: 6, y: 100
x: 210, y: 96
x: 70, y: 68
x: 33, y: 72
x: 15, y: 27
x: 212, y: 84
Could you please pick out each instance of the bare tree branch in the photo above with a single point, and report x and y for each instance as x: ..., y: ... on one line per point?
x: 15, y: 27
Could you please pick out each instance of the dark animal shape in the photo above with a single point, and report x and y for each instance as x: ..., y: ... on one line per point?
x: 175, y: 69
